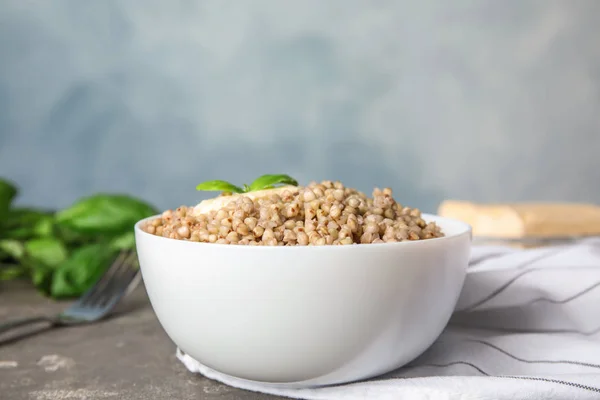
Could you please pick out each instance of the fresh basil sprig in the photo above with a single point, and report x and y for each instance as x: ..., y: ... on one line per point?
x: 219, y: 186
x: 261, y: 183
x: 104, y: 213
x: 270, y: 181
x: 63, y: 253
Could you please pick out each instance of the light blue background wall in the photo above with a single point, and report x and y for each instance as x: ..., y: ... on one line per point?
x: 484, y: 100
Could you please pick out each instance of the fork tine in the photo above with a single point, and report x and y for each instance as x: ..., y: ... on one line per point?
x: 120, y: 278
x: 120, y: 289
x: 114, y: 279
x: 116, y: 287
x: 114, y: 270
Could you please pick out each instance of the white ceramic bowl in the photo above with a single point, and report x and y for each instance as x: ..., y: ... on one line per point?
x: 305, y: 316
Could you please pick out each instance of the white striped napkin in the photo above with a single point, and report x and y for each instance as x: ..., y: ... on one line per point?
x: 527, y: 326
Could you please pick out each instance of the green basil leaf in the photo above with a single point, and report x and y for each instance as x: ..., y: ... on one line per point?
x: 41, y: 276
x: 50, y: 252
x: 12, y: 248
x: 26, y: 223
x: 44, y: 227
x: 9, y: 272
x: 270, y: 181
x: 26, y: 216
x: 102, y: 214
x: 82, y: 270
x: 73, y: 238
x: 219, y: 186
x: 8, y: 191
x: 125, y: 241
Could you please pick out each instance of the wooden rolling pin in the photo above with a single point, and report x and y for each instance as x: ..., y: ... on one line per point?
x: 526, y: 220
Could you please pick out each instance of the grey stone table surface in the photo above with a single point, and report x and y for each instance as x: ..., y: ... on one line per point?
x: 127, y: 356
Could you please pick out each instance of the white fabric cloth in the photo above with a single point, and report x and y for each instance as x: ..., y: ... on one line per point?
x: 527, y: 326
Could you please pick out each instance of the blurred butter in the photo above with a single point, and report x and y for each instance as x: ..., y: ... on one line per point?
x: 219, y: 202
x: 522, y: 220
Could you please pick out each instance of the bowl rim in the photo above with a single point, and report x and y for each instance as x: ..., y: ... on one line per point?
x: 461, y: 229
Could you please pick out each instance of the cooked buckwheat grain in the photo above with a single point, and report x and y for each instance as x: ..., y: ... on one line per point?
x: 325, y: 213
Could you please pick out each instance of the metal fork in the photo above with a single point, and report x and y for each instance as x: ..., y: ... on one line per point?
x: 119, y: 280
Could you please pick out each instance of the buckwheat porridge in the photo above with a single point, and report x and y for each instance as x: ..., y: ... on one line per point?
x: 325, y: 213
